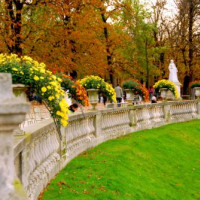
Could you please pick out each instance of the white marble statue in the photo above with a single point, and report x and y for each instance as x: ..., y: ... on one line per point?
x: 173, y: 72
x: 174, y: 77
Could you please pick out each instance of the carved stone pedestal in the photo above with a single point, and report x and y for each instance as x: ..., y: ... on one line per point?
x: 12, y: 113
x: 93, y: 97
x: 178, y: 86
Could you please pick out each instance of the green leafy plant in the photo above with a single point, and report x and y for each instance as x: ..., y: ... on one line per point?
x: 137, y: 88
x: 76, y: 90
x: 167, y: 84
x: 195, y: 84
x: 40, y: 81
x: 95, y: 82
x: 129, y: 84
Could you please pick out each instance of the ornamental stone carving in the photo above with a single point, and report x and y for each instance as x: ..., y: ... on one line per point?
x: 12, y: 113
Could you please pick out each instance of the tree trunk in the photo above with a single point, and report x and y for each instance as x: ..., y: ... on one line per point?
x: 147, y: 63
x: 109, y: 56
x: 14, y: 13
x: 17, y: 49
x: 190, y: 38
x: 69, y: 30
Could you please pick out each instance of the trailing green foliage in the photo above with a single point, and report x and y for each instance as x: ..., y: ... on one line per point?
x: 167, y: 84
x: 41, y: 81
x: 137, y: 88
x: 195, y: 84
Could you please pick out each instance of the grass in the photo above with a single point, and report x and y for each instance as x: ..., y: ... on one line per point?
x: 162, y: 163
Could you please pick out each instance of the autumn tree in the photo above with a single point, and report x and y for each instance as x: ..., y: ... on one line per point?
x: 143, y: 49
x: 11, y: 24
x: 109, y: 38
x: 184, y: 40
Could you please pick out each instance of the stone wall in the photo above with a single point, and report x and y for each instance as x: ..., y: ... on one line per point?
x: 40, y: 154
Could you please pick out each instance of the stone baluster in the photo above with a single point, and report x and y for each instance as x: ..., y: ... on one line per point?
x: 143, y: 115
x: 12, y: 113
x: 98, y: 124
x: 198, y: 108
x: 194, y: 108
x: 127, y: 119
x: 155, y: 112
x: 167, y: 112
x: 86, y: 126
x: 138, y: 114
x: 91, y: 124
x: 40, y: 169
x: 132, y: 117
x: 158, y: 113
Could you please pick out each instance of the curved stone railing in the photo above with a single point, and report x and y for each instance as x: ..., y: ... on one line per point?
x: 40, y: 154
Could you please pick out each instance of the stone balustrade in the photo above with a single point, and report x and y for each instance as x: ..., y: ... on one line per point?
x: 12, y: 113
x: 37, y: 157
x: 40, y: 154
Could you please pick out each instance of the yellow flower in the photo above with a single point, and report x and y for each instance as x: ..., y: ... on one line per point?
x: 58, y: 113
x: 59, y: 79
x: 44, y: 89
x: 36, y: 78
x: 14, y: 69
x: 63, y: 122
x: 57, y: 95
x: 167, y: 84
x: 42, y: 71
x: 49, y: 72
x: 42, y: 65
x: 50, y: 98
x: 52, y: 83
x: 54, y: 77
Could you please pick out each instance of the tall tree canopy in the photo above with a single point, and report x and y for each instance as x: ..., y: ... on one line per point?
x: 110, y: 38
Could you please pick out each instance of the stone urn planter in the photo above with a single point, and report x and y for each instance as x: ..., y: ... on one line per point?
x: 170, y: 95
x: 93, y: 97
x: 19, y: 91
x: 197, y: 92
x: 129, y: 95
x: 163, y: 93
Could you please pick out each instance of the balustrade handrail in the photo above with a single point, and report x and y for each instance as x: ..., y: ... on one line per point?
x: 30, y: 133
x: 39, y: 152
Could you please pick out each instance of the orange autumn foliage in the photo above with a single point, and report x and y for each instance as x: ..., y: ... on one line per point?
x: 66, y: 35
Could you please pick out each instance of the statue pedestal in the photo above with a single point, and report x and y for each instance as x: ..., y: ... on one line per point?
x: 178, y: 86
x: 174, y: 78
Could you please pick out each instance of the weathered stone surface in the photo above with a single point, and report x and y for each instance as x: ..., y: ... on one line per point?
x: 11, y: 115
x: 40, y: 154
x: 198, y: 108
x: 43, y: 154
x: 5, y: 87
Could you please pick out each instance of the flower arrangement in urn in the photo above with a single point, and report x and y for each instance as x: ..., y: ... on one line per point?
x: 40, y: 81
x: 137, y: 87
x: 76, y: 90
x: 195, y: 84
x: 169, y: 85
x: 95, y: 82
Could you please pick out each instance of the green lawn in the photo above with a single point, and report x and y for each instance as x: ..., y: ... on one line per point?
x: 163, y: 163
